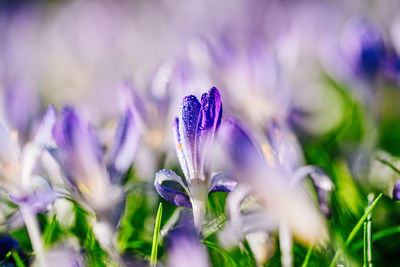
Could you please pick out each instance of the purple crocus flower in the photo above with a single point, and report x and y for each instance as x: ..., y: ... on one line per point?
x: 93, y: 180
x: 31, y: 192
x: 195, y: 130
x: 270, y: 173
x: 363, y: 48
x: 184, y: 246
x: 18, y: 162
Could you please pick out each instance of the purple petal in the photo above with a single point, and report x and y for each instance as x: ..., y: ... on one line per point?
x: 184, y: 247
x: 168, y: 192
x: 9, y: 147
x: 41, y: 199
x: 211, y: 111
x: 179, y: 149
x: 363, y: 48
x: 220, y: 182
x: 64, y: 257
x: 284, y: 145
x: 188, y: 122
x: 322, y: 184
x: 129, y: 97
x: 44, y: 132
x: 209, y: 122
x: 21, y: 106
x: 125, y: 144
x: 396, y: 191
x: 240, y: 147
x: 78, y: 149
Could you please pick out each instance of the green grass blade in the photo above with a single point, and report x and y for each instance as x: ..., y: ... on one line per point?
x: 308, y: 256
x: 355, y: 229
x: 154, y: 248
x: 17, y: 259
x: 220, y: 251
x: 367, y: 240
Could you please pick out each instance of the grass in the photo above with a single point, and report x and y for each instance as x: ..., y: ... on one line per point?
x: 355, y: 230
x: 157, y: 226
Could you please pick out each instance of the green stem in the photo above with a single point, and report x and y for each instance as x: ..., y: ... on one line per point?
x: 17, y: 259
x: 154, y: 248
x: 355, y: 230
x: 32, y: 226
x: 368, y: 237
x: 308, y: 256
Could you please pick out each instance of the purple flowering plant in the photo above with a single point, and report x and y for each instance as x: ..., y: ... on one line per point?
x: 195, y: 130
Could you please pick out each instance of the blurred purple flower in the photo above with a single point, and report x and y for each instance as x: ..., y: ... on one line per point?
x: 18, y: 162
x: 363, y: 48
x: 64, y: 257
x: 184, y: 247
x: 21, y: 109
x: 80, y: 155
x: 94, y: 181
x: 195, y: 130
x: 277, y: 164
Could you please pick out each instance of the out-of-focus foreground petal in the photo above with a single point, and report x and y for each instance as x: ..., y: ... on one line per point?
x: 184, y: 247
x: 124, y: 147
x: 271, y: 185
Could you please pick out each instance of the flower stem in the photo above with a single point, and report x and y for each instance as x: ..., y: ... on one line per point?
x: 32, y: 227
x: 285, y: 243
x: 368, y: 237
x: 199, y: 210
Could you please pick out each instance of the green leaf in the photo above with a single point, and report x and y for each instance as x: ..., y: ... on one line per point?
x: 157, y: 226
x: 17, y: 259
x: 308, y: 255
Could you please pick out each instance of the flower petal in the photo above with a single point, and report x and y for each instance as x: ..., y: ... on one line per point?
x: 211, y: 111
x: 21, y: 106
x: 321, y: 181
x: 184, y: 247
x: 9, y: 151
x: 71, y: 131
x: 171, y: 194
x: 79, y: 151
x: 124, y: 147
x: 285, y: 146
x: 42, y: 197
x: 179, y: 149
x: 239, y: 145
x: 44, y: 132
x: 209, y: 122
x: 188, y: 125
x: 220, y: 182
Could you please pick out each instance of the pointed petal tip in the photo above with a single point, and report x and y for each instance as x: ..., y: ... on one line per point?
x: 396, y: 191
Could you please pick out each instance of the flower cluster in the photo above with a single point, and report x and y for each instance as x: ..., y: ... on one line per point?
x: 263, y: 131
